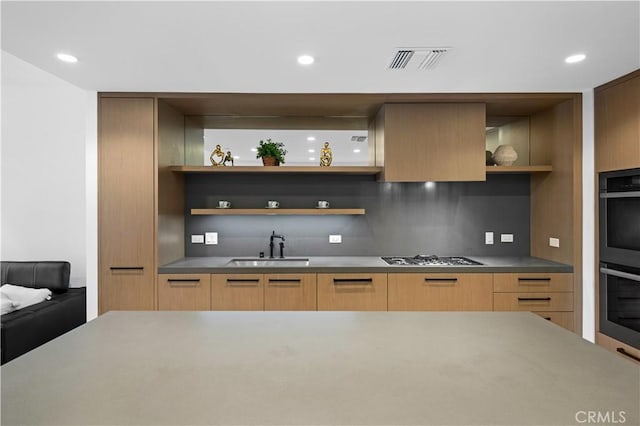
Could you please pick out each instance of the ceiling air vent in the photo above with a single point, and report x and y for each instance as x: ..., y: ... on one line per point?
x: 358, y: 138
x: 417, y: 58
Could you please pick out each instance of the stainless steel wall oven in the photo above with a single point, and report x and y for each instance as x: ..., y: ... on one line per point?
x: 620, y: 217
x: 619, y: 208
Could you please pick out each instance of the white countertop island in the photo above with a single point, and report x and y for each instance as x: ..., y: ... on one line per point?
x: 320, y: 368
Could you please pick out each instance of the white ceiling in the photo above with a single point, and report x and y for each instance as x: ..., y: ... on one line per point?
x: 252, y: 46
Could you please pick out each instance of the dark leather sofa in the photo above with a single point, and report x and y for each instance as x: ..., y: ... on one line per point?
x: 30, y: 327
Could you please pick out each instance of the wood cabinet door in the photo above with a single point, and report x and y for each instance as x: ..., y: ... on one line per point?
x: 184, y: 292
x: 237, y: 292
x: 432, y: 142
x: 352, y: 292
x: 126, y: 212
x: 617, y: 126
x: 440, y: 292
x: 290, y: 292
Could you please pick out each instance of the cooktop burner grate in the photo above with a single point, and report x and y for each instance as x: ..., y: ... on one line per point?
x: 429, y: 260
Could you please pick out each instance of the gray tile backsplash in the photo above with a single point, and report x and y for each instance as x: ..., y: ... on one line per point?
x: 401, y: 218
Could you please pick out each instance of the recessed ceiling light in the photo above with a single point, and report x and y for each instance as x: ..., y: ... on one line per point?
x: 305, y: 60
x: 575, y: 58
x: 312, y: 159
x: 236, y: 157
x: 254, y: 149
x: 312, y: 150
x: 67, y: 58
x: 356, y: 150
x: 311, y: 138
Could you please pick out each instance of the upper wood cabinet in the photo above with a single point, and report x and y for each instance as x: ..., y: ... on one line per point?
x: 617, y: 124
x: 431, y: 142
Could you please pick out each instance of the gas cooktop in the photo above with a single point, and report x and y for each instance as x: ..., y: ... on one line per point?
x: 429, y: 260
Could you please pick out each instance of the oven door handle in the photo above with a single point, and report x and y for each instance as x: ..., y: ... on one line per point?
x: 620, y: 274
x: 629, y: 194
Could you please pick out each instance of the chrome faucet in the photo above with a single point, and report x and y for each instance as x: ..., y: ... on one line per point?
x: 271, y: 245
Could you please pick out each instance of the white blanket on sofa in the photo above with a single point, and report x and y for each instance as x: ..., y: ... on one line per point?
x: 14, y: 297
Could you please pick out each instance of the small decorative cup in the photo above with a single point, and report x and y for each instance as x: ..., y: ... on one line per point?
x: 273, y: 204
x: 323, y: 204
x: 224, y: 204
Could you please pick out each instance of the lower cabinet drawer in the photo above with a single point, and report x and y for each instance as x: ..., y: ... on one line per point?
x: 532, y: 282
x: 626, y: 351
x: 563, y: 319
x: 440, y: 292
x: 237, y: 292
x: 534, y: 302
x: 352, y: 292
x: 184, y: 292
x: 290, y: 292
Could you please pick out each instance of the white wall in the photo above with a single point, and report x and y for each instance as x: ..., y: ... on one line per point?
x: 588, y: 217
x: 47, y: 126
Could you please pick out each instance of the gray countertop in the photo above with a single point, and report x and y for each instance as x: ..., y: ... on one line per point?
x: 205, y: 265
x: 328, y: 368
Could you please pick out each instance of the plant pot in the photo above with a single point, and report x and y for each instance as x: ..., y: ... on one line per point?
x: 270, y: 161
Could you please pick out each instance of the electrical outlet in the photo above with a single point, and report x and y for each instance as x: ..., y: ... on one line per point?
x: 197, y: 239
x: 506, y: 238
x: 554, y: 242
x: 335, y: 239
x: 211, y: 238
x: 488, y: 238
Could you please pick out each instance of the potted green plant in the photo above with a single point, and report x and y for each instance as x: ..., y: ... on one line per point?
x: 272, y: 153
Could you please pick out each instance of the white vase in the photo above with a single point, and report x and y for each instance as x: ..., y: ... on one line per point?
x: 505, y: 155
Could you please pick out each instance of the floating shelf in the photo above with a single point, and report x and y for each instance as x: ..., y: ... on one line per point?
x: 519, y: 169
x: 336, y: 170
x: 304, y: 212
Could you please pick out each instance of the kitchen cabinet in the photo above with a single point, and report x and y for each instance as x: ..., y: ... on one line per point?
x: 352, y: 292
x: 184, y: 292
x: 626, y: 351
x: 126, y: 197
x: 534, y: 302
x: 440, y: 292
x: 421, y: 142
x: 617, y: 124
x: 290, y: 292
x: 563, y: 319
x: 549, y: 295
x: 237, y: 292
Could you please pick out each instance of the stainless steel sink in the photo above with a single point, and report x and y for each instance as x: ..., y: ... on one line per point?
x: 276, y: 262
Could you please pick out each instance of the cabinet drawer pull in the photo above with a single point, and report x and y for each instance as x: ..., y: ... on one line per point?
x: 285, y: 282
x: 352, y: 281
x: 191, y: 282
x: 541, y: 281
x: 534, y: 299
x: 625, y: 353
x: 127, y: 268
x: 249, y: 282
x: 444, y: 280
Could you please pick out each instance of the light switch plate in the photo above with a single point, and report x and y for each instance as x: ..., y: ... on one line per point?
x: 211, y: 238
x: 488, y: 238
x: 197, y: 239
x: 335, y: 239
x: 506, y: 238
x: 554, y: 242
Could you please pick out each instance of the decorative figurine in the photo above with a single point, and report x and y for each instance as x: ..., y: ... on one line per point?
x: 217, y: 157
x: 325, y: 155
x: 227, y: 157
